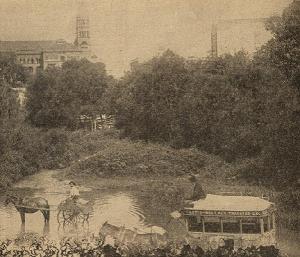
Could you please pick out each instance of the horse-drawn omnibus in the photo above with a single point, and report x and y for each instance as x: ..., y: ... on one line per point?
x: 232, y: 221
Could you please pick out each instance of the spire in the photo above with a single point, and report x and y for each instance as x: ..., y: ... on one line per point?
x: 82, y: 26
x: 83, y: 9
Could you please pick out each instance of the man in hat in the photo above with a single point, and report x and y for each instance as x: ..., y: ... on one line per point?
x: 74, y: 191
x: 198, y: 192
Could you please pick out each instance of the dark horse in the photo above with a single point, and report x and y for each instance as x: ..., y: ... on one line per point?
x: 30, y: 205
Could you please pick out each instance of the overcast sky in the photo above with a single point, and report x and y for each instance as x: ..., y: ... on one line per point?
x: 123, y: 30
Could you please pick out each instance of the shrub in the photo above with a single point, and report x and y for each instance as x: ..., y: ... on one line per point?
x: 25, y: 150
x: 83, y: 143
x: 96, y: 247
x: 124, y: 157
x: 55, y: 148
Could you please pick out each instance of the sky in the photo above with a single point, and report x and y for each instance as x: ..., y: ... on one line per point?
x: 124, y: 30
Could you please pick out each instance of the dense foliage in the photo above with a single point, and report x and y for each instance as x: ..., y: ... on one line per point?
x: 23, y: 149
x: 233, y: 106
x: 58, y: 96
x: 282, y: 51
x: 123, y: 157
x: 10, y: 71
x: 96, y: 247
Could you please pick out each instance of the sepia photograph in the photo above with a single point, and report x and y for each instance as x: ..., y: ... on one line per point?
x: 150, y: 128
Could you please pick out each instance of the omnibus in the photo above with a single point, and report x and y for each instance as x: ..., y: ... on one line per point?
x: 231, y: 221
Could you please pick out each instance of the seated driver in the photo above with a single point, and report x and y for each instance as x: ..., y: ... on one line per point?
x: 74, y: 191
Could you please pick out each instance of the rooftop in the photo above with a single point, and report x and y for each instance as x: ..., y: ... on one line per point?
x: 231, y: 203
x: 37, y: 46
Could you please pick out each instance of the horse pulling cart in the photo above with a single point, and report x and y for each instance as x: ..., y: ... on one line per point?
x: 70, y: 212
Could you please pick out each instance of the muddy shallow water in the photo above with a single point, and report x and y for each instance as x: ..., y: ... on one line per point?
x: 117, y: 207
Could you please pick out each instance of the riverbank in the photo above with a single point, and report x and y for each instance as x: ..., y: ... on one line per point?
x: 120, y: 200
x: 155, y: 173
x: 108, y: 162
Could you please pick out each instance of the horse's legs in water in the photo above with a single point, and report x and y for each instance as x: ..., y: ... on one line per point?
x: 46, y: 229
x: 46, y: 215
x: 22, y: 214
x: 22, y: 228
x: 85, y: 219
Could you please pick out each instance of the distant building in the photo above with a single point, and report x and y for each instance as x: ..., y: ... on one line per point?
x: 35, y: 55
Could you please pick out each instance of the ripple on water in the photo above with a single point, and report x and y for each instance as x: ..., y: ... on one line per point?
x: 119, y: 208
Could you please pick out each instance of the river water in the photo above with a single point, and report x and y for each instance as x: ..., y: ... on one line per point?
x: 122, y: 208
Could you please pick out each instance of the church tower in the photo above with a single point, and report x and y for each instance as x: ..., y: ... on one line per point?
x: 82, y: 32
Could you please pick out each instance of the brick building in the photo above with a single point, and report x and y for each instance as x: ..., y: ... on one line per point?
x: 34, y: 55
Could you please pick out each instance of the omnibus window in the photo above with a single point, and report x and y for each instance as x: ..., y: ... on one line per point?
x: 266, y: 226
x: 231, y: 225
x: 212, y: 224
x: 250, y: 226
x: 194, y: 225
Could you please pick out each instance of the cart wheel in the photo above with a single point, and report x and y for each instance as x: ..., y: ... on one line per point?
x: 69, y: 216
x: 60, y: 217
x: 83, y: 218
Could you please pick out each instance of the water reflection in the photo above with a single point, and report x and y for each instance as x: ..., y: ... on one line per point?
x: 118, y: 208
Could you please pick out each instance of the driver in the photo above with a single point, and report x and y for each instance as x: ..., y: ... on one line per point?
x: 74, y: 191
x: 198, y: 192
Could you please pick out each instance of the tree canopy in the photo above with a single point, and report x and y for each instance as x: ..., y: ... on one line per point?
x: 237, y: 107
x: 58, y: 96
x: 283, y: 50
x: 10, y: 71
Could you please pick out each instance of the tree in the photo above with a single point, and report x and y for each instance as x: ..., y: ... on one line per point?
x: 58, y: 96
x: 283, y: 50
x: 15, y: 160
x: 218, y: 107
x: 11, y: 74
x: 279, y: 62
x: 10, y: 71
x: 153, y: 90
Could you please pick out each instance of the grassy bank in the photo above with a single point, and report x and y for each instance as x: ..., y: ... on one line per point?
x: 157, y: 172
x: 110, y: 155
x: 108, y: 162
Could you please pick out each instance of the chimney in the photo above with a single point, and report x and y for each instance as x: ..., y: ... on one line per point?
x: 214, y: 41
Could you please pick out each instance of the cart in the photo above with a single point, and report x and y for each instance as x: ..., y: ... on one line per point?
x: 71, y: 212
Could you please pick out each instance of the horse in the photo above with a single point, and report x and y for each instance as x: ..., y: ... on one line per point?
x: 30, y: 205
x: 133, y: 237
x: 111, y: 230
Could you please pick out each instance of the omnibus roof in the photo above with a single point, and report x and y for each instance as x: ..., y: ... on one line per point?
x: 231, y: 203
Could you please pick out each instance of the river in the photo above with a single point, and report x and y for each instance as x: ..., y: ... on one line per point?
x: 117, y: 207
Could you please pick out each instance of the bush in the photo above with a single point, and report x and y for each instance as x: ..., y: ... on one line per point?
x: 85, y: 144
x: 96, y: 247
x: 289, y: 209
x: 289, y: 200
x: 55, y: 149
x: 124, y: 157
x: 25, y: 150
x: 168, y: 193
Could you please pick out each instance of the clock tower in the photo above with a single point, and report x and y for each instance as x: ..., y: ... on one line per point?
x: 82, y: 32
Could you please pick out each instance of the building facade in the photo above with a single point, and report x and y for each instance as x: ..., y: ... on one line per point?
x: 35, y: 55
